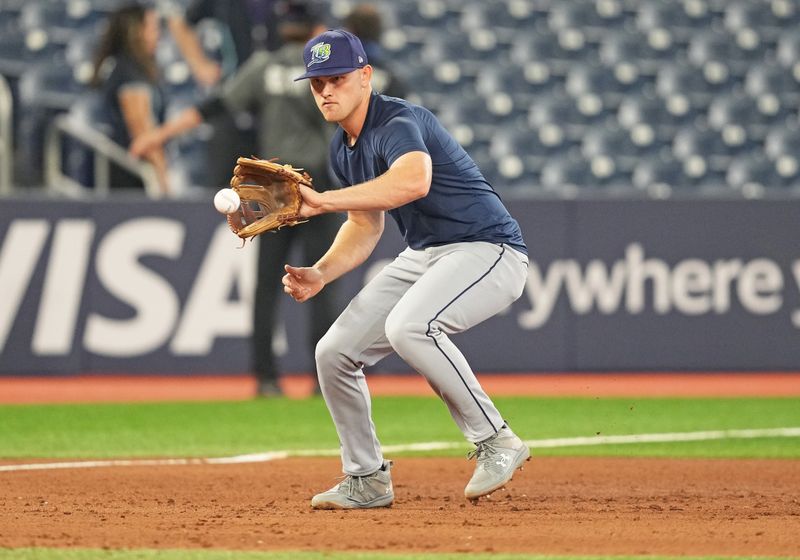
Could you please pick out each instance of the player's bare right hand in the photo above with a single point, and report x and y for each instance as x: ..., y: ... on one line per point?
x: 302, y: 283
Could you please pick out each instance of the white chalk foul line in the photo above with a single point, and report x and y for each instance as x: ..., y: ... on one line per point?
x: 426, y: 446
x: 665, y: 438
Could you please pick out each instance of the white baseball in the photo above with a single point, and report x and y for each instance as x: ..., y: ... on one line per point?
x: 226, y: 201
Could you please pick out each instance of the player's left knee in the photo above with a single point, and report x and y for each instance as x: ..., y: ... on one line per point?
x: 328, y: 355
x: 400, y: 331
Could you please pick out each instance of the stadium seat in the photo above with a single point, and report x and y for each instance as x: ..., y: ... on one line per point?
x: 631, y: 57
x: 50, y: 85
x: 662, y: 175
x: 782, y: 147
x: 442, y: 80
x: 738, y: 118
x: 786, y: 13
x: 750, y: 20
x: 719, y: 56
x: 461, y: 124
x: 567, y: 176
x: 509, y: 177
x: 483, y: 115
x: 61, y: 20
x: 558, y: 50
x: 45, y: 90
x: 403, y: 47
x: 80, y: 52
x: 684, y: 90
x: 772, y: 88
x: 582, y: 17
x: 613, y: 14
x: 9, y: 19
x: 522, y: 84
x: 658, y: 176
x: 667, y: 22
x: 572, y: 175
x: 12, y: 6
x: 500, y: 15
x: 702, y: 150
x: 422, y: 13
x: 556, y: 116
x: 471, y: 52
x: 593, y: 88
x: 20, y: 49
x: 527, y: 146
x: 648, y: 120
x: 108, y: 6
x: 752, y: 174
x: 787, y: 53
x: 611, y: 149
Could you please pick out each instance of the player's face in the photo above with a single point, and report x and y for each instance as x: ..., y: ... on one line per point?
x: 338, y: 96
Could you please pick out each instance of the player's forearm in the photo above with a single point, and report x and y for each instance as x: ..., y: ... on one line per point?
x: 407, y: 180
x: 354, y: 243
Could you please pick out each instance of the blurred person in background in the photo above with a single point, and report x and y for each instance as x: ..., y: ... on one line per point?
x: 365, y: 22
x: 125, y: 69
x: 247, y: 26
x: 288, y: 127
x: 250, y: 25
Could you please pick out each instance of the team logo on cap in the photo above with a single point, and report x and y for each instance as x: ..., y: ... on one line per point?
x: 320, y: 53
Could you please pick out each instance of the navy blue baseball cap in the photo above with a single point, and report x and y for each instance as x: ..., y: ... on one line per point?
x: 333, y: 53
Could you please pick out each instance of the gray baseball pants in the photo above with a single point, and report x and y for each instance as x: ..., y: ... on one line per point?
x: 410, y: 307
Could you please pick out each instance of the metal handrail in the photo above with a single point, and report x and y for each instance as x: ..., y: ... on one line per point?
x: 105, y: 151
x: 6, y: 142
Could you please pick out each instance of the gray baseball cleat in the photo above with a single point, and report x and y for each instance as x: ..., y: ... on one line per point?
x: 359, y: 492
x: 498, y: 457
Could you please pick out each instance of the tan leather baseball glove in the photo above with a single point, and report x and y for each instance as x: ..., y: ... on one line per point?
x: 269, y: 194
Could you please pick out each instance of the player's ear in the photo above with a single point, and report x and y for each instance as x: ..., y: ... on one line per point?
x: 366, y: 75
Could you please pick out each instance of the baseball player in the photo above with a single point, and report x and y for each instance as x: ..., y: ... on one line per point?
x: 466, y: 261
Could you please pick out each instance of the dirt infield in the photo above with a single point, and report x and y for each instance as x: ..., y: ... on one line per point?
x: 109, y: 388
x: 556, y: 506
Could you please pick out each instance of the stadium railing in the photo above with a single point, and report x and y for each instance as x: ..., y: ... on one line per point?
x: 6, y: 152
x: 104, y: 150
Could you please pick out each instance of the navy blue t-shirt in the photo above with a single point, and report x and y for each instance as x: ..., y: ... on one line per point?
x: 460, y: 206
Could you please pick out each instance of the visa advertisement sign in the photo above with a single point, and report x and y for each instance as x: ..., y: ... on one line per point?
x: 614, y: 285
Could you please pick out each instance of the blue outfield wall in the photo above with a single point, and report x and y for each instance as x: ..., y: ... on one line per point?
x: 623, y: 285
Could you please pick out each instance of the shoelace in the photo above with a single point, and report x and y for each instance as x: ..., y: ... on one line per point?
x: 483, y: 451
x: 349, y: 483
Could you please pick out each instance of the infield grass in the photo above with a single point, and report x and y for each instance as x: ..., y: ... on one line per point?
x: 96, y: 554
x: 210, y: 429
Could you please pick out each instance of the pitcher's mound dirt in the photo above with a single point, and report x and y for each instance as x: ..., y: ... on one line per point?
x: 555, y: 506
